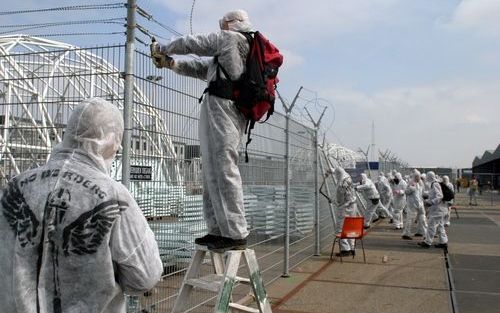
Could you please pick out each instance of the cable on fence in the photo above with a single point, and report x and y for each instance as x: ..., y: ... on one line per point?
x: 44, y: 25
x: 148, y: 33
x: 66, y: 23
x: 78, y: 34
x: 70, y: 8
x: 151, y: 18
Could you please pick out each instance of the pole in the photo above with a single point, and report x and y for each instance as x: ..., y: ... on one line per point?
x: 128, y: 92
x: 286, y: 250
x: 317, y: 246
x: 316, y: 183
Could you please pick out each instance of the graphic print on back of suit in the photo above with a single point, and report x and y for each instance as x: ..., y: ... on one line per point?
x: 54, y: 233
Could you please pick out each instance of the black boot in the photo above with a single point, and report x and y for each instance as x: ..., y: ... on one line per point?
x: 205, y: 240
x: 223, y: 244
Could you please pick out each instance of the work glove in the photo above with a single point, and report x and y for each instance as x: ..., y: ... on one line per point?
x: 160, y: 59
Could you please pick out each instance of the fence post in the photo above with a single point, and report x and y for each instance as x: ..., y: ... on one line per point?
x: 286, y: 250
x: 317, y: 239
x: 128, y: 92
x: 316, y: 183
x: 286, y: 261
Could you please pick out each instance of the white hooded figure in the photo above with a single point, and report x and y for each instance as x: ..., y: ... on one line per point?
x: 437, y: 212
x: 346, y: 201
x: 390, y: 205
x: 414, y: 208
x: 372, y: 197
x: 221, y: 126
x: 385, y: 191
x: 399, y: 200
x: 73, y: 239
x: 446, y: 180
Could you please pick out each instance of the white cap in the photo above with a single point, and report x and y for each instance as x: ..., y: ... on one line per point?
x: 237, y: 21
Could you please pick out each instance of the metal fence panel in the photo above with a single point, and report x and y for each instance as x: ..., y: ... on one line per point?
x: 41, y: 85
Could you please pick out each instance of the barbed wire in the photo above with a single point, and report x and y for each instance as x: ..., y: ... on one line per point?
x: 191, y: 17
x: 115, y: 5
x: 151, y: 18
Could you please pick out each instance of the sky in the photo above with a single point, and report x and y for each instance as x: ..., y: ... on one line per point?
x: 426, y: 73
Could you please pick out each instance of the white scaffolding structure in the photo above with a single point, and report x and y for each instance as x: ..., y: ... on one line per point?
x: 41, y: 82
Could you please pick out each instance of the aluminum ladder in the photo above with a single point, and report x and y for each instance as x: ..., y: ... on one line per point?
x: 222, y: 282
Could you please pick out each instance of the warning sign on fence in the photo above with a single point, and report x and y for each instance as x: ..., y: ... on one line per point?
x: 138, y: 172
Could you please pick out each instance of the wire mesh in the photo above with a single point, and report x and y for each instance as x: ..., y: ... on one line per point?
x: 43, y: 80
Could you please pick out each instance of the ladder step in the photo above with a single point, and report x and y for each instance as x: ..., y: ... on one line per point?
x: 243, y: 308
x: 212, y: 282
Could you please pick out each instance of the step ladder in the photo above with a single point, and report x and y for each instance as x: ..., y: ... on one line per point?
x: 222, y: 282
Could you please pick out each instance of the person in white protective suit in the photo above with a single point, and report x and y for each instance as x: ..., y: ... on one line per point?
x: 446, y: 180
x: 346, y: 200
x: 414, y: 208
x: 390, y: 206
x: 437, y: 212
x: 385, y: 192
x: 372, y: 197
x: 399, y: 200
x: 73, y: 239
x: 221, y: 126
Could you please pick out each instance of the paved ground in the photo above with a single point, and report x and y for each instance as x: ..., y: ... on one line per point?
x: 400, y: 277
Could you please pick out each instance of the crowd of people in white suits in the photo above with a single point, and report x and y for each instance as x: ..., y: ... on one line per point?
x: 417, y: 204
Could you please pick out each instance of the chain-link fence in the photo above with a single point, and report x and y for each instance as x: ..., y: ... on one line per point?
x: 485, y: 193
x: 43, y: 80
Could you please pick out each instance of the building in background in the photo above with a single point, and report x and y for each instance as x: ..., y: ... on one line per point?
x: 486, y: 168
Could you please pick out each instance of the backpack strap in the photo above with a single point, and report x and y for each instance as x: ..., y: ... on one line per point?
x: 222, y: 88
x: 248, y: 130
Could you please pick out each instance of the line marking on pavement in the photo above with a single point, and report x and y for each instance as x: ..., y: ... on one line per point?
x: 378, y: 285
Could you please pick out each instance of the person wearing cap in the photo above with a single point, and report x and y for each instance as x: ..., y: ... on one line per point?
x: 372, y: 197
x: 346, y: 201
x: 449, y: 204
x: 437, y: 212
x: 73, y: 239
x: 414, y: 208
x: 221, y: 124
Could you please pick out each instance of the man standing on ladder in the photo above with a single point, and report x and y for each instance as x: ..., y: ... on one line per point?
x: 221, y: 125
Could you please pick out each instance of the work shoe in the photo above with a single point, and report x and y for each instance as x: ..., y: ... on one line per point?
x: 441, y: 245
x: 366, y: 226
x: 223, y: 244
x: 406, y: 237
x: 203, y: 241
x: 376, y: 219
x: 418, y: 235
x: 423, y: 244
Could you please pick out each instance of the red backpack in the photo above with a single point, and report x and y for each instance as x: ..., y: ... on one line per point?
x: 254, y: 92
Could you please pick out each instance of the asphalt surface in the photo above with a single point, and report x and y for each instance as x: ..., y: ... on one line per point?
x: 399, y: 276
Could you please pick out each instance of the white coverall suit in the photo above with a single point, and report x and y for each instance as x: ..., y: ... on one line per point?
x: 437, y: 212
x: 346, y: 200
x: 414, y: 208
x: 446, y: 180
x: 73, y: 239
x: 221, y: 125
x: 372, y: 197
x: 384, y: 188
x: 399, y: 200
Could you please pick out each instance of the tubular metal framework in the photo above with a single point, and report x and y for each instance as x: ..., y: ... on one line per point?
x: 44, y: 79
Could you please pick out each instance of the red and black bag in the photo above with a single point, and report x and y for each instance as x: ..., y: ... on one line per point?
x: 255, y: 91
